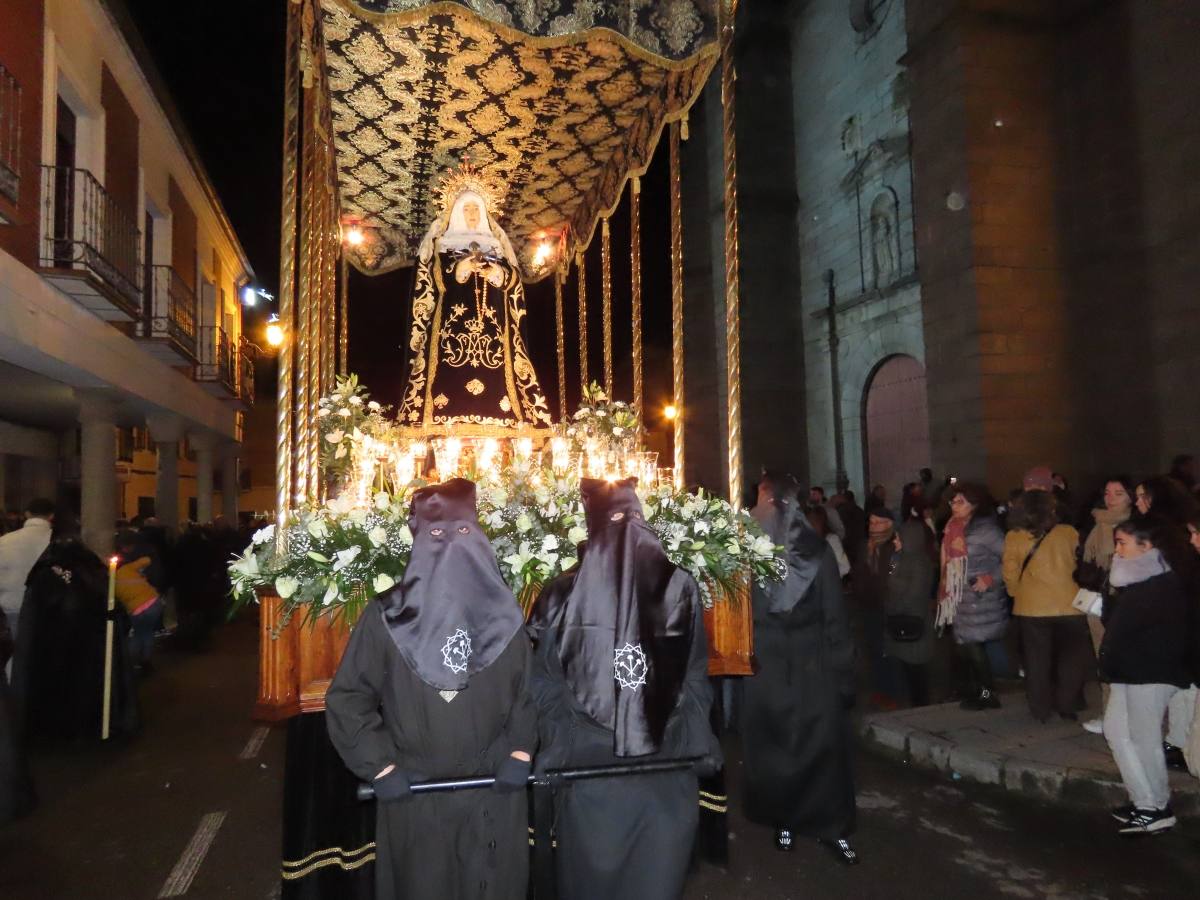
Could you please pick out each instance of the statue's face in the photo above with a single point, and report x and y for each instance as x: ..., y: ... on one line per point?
x: 471, y: 213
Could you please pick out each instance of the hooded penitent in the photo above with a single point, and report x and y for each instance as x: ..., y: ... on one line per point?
x: 452, y: 614
x: 779, y: 512
x: 626, y: 625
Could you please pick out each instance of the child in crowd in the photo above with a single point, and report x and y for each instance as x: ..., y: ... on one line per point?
x: 136, y: 573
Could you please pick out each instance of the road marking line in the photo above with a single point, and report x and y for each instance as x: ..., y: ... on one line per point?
x: 255, y: 743
x: 189, y: 863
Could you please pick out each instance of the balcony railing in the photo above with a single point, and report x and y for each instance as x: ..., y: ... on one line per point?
x: 218, y: 362
x: 90, y: 235
x: 169, y: 313
x: 247, y: 353
x: 10, y: 135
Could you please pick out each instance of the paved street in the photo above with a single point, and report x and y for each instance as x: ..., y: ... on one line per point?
x: 116, y: 823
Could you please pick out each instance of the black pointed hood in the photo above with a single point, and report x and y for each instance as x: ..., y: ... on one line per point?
x: 627, y: 622
x: 452, y: 614
x: 781, y: 515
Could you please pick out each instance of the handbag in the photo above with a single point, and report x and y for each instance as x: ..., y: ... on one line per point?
x: 905, y: 629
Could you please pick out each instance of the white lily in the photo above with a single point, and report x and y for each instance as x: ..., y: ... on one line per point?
x: 343, y: 558
x: 331, y: 594
x: 318, y: 529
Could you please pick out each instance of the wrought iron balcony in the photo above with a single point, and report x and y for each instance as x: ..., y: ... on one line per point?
x: 169, y: 316
x: 10, y: 136
x: 92, y: 248
x: 247, y: 353
x: 217, y: 369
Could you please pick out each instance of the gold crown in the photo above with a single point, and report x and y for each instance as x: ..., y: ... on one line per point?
x: 468, y: 178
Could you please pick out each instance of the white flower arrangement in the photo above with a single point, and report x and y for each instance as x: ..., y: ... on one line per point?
x: 334, y: 558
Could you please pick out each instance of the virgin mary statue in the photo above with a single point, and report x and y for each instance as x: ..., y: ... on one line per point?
x: 470, y: 372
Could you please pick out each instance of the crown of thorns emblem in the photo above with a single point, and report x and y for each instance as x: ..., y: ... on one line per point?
x: 456, y: 651
x: 629, y: 666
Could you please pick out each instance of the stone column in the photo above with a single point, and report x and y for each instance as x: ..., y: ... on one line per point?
x: 98, y: 469
x: 203, y: 444
x: 230, y: 484
x: 167, y: 432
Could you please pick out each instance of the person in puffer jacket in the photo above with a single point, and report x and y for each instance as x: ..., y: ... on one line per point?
x: 971, y: 593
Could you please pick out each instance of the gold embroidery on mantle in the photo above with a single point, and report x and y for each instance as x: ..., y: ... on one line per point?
x: 475, y: 387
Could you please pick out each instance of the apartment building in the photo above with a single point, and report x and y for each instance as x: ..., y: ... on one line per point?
x: 121, y: 346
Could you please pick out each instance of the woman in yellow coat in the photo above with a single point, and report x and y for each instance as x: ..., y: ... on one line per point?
x: 1039, y: 568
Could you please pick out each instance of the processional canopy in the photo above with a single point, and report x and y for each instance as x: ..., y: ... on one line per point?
x: 559, y: 101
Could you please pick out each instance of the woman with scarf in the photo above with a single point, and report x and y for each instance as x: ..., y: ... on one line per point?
x: 621, y: 675
x: 971, y: 592
x: 797, y: 744
x: 1145, y: 659
x: 433, y: 684
x: 1098, y: 551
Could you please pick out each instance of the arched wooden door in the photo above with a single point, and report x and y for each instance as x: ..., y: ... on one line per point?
x: 896, y: 425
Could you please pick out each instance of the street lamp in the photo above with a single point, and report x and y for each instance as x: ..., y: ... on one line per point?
x: 275, y: 333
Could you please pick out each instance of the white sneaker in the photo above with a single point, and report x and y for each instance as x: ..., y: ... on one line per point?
x: 1095, y: 726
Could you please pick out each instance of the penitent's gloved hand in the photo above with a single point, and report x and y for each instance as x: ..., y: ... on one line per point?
x: 511, y: 776
x: 707, y: 766
x: 392, y: 787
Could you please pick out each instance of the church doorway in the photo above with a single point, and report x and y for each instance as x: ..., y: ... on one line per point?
x: 895, y: 426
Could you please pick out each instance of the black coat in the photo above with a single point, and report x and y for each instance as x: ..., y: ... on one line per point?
x: 1148, y: 633
x: 471, y: 845
x: 620, y: 837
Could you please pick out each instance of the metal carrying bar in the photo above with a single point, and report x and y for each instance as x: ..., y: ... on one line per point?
x: 442, y: 785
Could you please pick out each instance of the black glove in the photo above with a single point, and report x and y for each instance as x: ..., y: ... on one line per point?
x: 392, y: 787
x: 512, y: 775
x: 707, y: 766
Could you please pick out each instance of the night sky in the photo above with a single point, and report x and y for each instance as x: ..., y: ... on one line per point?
x: 224, y: 67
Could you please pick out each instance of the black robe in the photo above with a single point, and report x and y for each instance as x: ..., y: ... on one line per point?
x: 58, y: 664
x: 471, y: 845
x: 797, y: 740
x: 621, y: 837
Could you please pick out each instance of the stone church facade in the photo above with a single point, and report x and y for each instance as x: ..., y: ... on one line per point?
x: 969, y: 239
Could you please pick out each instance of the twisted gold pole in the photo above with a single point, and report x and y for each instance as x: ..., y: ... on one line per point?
x: 305, y: 351
x: 287, y: 272
x: 581, y: 274
x: 677, y: 303
x: 606, y: 300
x: 635, y: 259
x: 733, y: 354
x: 560, y: 345
x: 344, y: 320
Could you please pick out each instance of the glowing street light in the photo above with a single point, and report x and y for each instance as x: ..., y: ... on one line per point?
x: 275, y: 332
x: 249, y: 296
